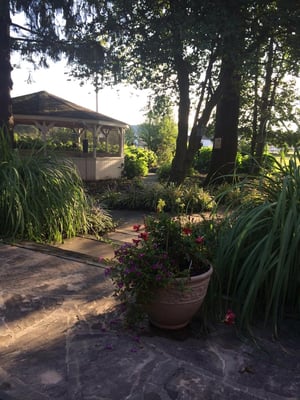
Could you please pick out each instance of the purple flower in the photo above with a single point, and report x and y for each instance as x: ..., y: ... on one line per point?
x: 133, y: 350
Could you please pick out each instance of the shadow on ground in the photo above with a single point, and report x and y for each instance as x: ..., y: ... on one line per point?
x: 63, y: 336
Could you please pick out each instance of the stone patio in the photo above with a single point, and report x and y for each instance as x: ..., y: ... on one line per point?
x: 62, y: 337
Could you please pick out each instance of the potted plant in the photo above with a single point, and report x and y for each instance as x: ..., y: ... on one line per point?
x: 166, y: 270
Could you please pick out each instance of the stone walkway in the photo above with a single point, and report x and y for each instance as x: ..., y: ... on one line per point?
x: 62, y: 337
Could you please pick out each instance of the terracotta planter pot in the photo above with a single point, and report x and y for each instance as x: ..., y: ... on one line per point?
x: 175, y: 306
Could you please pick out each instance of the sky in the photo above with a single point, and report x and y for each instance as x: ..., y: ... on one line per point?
x: 122, y: 103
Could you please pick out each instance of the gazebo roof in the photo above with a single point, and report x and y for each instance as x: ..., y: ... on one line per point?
x: 44, y: 107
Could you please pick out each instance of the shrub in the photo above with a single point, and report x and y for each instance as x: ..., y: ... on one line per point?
x: 196, y: 199
x: 163, y: 172
x: 142, y: 196
x: 134, y: 166
x: 228, y: 194
x: 244, y: 163
x: 202, y: 160
x: 28, y: 142
x: 98, y: 219
x: 138, y: 161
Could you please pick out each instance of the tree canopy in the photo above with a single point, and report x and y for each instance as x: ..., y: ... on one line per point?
x: 203, y: 54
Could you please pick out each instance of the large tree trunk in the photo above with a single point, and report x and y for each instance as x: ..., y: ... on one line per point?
x: 227, y: 114
x: 265, y: 109
x: 226, y: 136
x: 198, y: 129
x: 6, y: 119
x: 178, y: 171
x: 186, y: 148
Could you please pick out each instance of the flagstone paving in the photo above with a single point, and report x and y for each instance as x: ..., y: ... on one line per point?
x: 62, y: 336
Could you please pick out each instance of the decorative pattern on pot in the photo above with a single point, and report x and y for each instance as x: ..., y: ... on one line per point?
x: 175, y: 306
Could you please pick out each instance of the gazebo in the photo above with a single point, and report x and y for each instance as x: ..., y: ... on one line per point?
x: 46, y: 111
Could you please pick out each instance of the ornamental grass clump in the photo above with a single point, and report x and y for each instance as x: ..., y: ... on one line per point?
x: 165, y: 249
x: 258, y: 256
x: 42, y: 198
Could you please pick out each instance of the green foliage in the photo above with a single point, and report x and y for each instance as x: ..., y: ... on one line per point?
x: 42, y: 198
x: 202, y: 160
x: 195, y: 198
x: 169, y: 131
x: 129, y: 137
x: 163, y: 172
x: 66, y: 140
x: 149, y: 136
x: 137, y: 195
x: 228, y: 194
x: 98, y: 219
x: 134, y: 166
x: 257, y: 259
x: 243, y: 161
x: 159, y: 132
x: 28, y: 142
x: 138, y: 161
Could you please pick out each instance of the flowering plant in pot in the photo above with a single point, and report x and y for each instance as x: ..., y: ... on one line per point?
x: 168, y: 254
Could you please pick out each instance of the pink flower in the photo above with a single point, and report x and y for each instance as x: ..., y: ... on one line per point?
x: 187, y: 231
x: 229, y: 317
x: 199, y: 240
x: 144, y: 236
x: 136, y: 227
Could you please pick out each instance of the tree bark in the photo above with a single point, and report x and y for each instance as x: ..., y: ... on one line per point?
x: 186, y: 149
x: 226, y: 137
x: 199, y: 129
x: 227, y: 113
x: 265, y: 109
x: 255, y: 105
x: 178, y: 166
x: 6, y: 119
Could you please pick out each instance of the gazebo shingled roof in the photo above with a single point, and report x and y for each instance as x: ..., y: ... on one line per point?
x: 45, y: 107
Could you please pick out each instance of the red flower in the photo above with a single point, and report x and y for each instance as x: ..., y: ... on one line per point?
x: 200, y: 240
x: 136, y: 241
x: 187, y: 231
x: 144, y: 236
x: 136, y: 227
x: 229, y: 317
